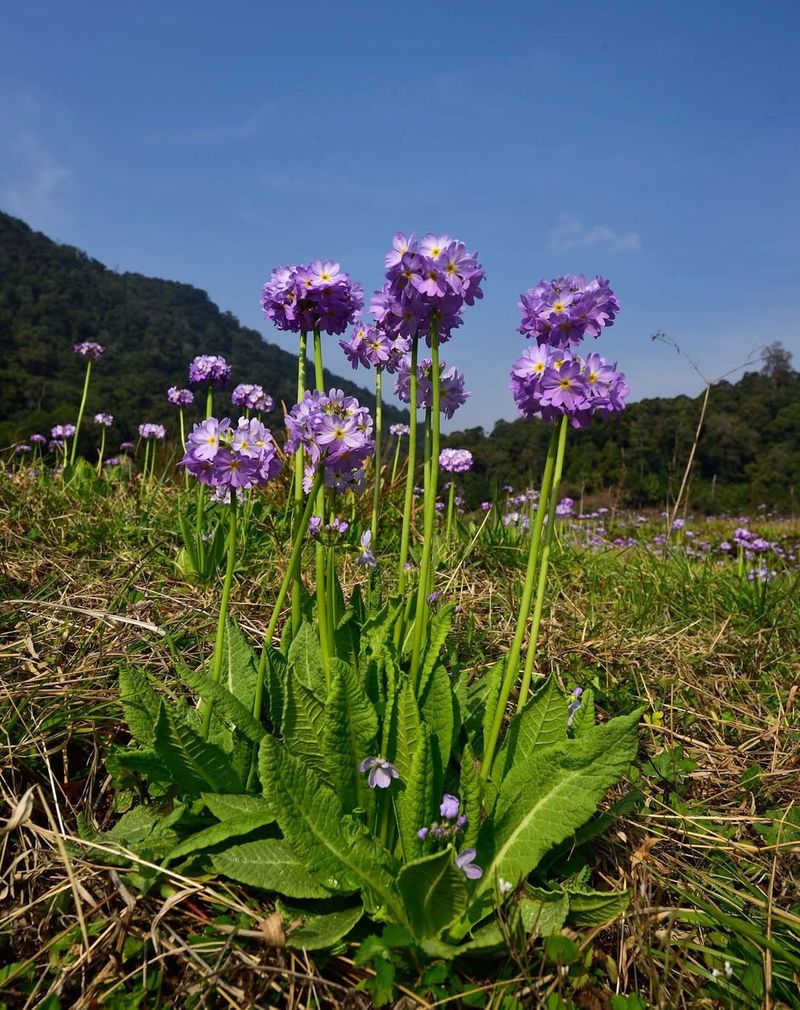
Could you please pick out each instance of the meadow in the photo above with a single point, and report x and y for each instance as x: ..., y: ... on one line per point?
x: 286, y: 724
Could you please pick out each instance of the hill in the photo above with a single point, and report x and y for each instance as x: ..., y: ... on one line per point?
x: 53, y: 296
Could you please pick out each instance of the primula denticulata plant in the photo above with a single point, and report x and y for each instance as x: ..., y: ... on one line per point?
x: 354, y: 762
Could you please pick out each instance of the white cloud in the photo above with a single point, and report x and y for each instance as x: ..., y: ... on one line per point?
x: 32, y: 180
x: 571, y: 233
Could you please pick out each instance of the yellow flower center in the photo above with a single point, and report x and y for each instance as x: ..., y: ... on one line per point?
x: 565, y: 383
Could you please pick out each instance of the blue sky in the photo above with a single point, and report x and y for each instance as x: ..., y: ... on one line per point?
x: 655, y: 143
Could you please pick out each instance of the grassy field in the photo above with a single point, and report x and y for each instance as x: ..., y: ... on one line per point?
x: 704, y: 833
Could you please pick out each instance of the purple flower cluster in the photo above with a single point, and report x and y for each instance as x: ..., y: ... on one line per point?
x: 548, y: 383
x: 59, y: 431
x: 89, y: 349
x: 451, y: 385
x: 219, y: 455
x: 399, y: 429
x: 447, y: 830
x: 106, y: 420
x: 251, y: 397
x: 455, y: 460
x: 302, y: 298
x: 37, y: 439
x: 336, y: 432
x: 427, y: 282
x: 156, y: 431
x: 180, y: 397
x: 212, y: 369
x: 561, y: 312
x: 371, y: 346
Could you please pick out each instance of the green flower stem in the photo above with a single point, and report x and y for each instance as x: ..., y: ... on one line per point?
x: 396, y: 458
x: 146, y: 464
x: 412, y: 464
x: 376, y: 491
x: 451, y: 499
x: 216, y: 666
x: 291, y: 575
x: 209, y: 401
x: 102, y: 450
x: 80, y: 411
x: 333, y: 615
x: 183, y: 447
x: 512, y: 659
x: 325, y: 630
x: 298, y: 475
x: 543, y: 564
x: 430, y: 509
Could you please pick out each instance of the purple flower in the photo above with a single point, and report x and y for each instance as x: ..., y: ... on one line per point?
x: 399, y: 429
x: 465, y: 861
x: 320, y: 295
x: 220, y: 455
x: 209, y: 368
x: 62, y: 431
x: 381, y: 772
x: 180, y: 397
x: 251, y: 397
x: 156, y: 431
x: 89, y: 349
x: 106, y: 420
x: 574, y: 705
x: 365, y: 555
x: 486, y: 506
x: 455, y: 460
x: 126, y: 446
x: 423, y: 833
x: 22, y: 447
x: 448, y: 808
x: 111, y: 461
x: 335, y: 431
x: 561, y: 312
x: 451, y: 388
x: 37, y: 439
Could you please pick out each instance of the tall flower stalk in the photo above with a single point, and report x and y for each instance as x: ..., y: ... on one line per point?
x: 105, y: 421
x: 408, y: 499
x: 216, y: 664
x: 92, y: 352
x: 453, y: 461
x: 376, y: 490
x: 298, y: 477
x: 181, y: 398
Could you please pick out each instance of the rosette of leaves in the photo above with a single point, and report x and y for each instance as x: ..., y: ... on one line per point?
x: 314, y: 831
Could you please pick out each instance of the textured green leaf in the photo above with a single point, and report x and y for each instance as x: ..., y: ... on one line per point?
x: 140, y: 704
x: 141, y: 760
x: 225, y: 704
x: 275, y: 677
x: 434, y: 892
x: 550, y: 793
x: 489, y: 697
x: 305, y: 658
x: 195, y: 766
x: 439, y: 630
x: 415, y: 801
x: 543, y: 912
x: 318, y: 932
x: 436, y: 708
x: 470, y: 796
x: 303, y: 723
x: 239, y: 665
x: 405, y: 730
x: 584, y: 717
x: 596, y: 908
x: 213, y: 835
x: 344, y: 853
x: 271, y: 864
x: 348, y: 734
x: 541, y: 723
x: 226, y: 805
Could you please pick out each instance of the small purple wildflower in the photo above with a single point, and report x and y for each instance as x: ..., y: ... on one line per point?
x: 449, y: 806
x: 106, y: 420
x: 465, y: 861
x: 37, y: 439
x: 455, y: 460
x: 180, y: 397
x: 89, y: 349
x: 399, y: 429
x: 212, y: 369
x: 155, y: 431
x: 365, y: 555
x: 381, y: 772
x: 561, y: 312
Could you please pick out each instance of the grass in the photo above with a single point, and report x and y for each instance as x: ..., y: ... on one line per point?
x: 707, y: 835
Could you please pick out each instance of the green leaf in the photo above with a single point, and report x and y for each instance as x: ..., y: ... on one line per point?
x: 349, y: 730
x: 304, y: 723
x: 275, y: 677
x: 543, y: 912
x: 195, y: 766
x: 405, y: 730
x: 272, y: 865
x: 140, y: 704
x: 305, y: 658
x: 143, y: 761
x: 490, y: 695
x: 437, y: 710
x: 318, y: 932
x: 541, y: 723
x: 226, y: 805
x: 439, y: 630
x: 470, y: 796
x: 550, y: 793
x: 584, y: 718
x: 596, y: 908
x: 217, y: 833
x: 239, y: 665
x: 434, y: 892
x: 415, y: 801
x: 343, y: 852
x: 225, y: 704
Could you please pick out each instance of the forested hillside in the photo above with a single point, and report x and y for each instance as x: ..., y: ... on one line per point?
x: 53, y: 296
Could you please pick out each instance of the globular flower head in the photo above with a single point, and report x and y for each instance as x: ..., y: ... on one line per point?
x: 399, y: 429
x: 89, y: 349
x: 452, y: 393
x: 180, y: 397
x: 106, y: 420
x: 37, y: 439
x: 455, y: 460
x: 381, y: 772
x: 561, y: 312
x: 219, y: 455
x: 212, y: 369
x: 152, y: 431
x: 126, y: 446
x: 62, y: 431
x: 548, y: 382
x: 251, y: 397
x: 316, y: 296
x: 335, y: 431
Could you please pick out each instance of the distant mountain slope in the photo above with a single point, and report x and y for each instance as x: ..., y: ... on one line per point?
x: 52, y: 296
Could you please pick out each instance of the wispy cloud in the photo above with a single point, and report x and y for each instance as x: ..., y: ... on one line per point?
x: 571, y: 233
x: 243, y: 128
x: 33, y: 181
